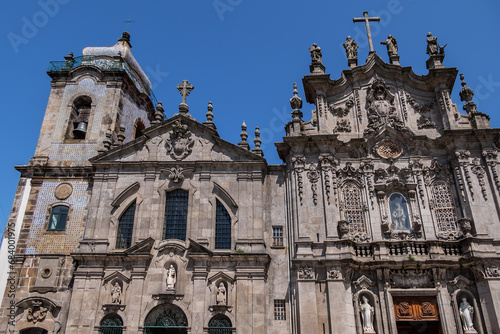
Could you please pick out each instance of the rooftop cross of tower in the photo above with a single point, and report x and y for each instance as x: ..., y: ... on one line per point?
x: 367, y: 19
x: 184, y: 88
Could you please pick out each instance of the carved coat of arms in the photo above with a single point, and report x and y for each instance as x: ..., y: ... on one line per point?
x: 180, y: 144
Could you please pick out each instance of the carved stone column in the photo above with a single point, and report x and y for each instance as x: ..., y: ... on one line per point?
x: 488, y: 286
x: 340, y: 305
x: 308, y: 312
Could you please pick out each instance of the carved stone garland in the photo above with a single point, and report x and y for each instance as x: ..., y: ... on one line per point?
x: 313, y: 176
x: 327, y: 165
x: 423, y: 122
x: 367, y: 168
x: 298, y: 167
x: 491, y: 160
x: 477, y: 169
x: 416, y: 168
x: 463, y: 162
x: 180, y: 144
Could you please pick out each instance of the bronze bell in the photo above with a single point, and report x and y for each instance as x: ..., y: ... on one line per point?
x: 80, y: 131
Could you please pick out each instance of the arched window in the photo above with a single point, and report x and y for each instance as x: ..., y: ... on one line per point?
x: 444, y: 207
x: 165, y: 318
x: 58, y: 218
x: 111, y: 324
x: 139, y: 128
x: 176, y: 209
x: 125, y: 228
x: 220, y: 324
x: 353, y: 208
x: 222, y: 227
x: 399, y: 212
x: 79, y: 118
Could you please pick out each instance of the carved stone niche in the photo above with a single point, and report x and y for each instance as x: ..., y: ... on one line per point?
x: 221, y: 288
x: 115, y: 286
x: 37, y: 312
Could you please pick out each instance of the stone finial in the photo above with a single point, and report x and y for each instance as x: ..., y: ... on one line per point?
x: 121, y: 135
x: 184, y: 88
x: 296, y: 104
x: 257, y: 141
x: 316, y: 66
x: 159, y: 114
x: 244, y: 135
x: 210, y: 116
x: 125, y: 38
x: 466, y: 93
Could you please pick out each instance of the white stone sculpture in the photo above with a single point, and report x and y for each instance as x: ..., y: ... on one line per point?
x: 116, y: 294
x: 171, y: 277
x: 466, y: 311
x: 221, y: 294
x: 367, y: 312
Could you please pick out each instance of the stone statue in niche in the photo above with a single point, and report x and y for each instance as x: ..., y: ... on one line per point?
x: 367, y: 315
x: 399, y: 213
x: 466, y: 311
x: 221, y: 294
x: 351, y: 48
x: 116, y: 294
x: 392, y: 45
x: 171, y: 277
x: 180, y: 144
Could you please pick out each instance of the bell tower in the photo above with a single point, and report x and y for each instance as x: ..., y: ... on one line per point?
x: 104, y: 92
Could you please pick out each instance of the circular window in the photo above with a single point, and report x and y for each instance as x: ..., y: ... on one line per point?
x: 388, y: 149
x: 46, y: 272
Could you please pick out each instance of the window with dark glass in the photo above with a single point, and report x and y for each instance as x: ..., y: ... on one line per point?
x: 278, y: 236
x: 222, y: 228
x: 279, y: 309
x: 58, y: 218
x: 220, y: 324
x: 125, y: 228
x: 176, y: 210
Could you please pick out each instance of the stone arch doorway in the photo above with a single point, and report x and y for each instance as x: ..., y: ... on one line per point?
x: 166, y: 319
x: 34, y: 331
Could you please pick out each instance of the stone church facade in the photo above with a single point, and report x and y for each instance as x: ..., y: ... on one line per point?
x: 384, y: 217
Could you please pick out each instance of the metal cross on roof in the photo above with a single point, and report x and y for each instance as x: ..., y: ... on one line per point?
x: 367, y: 19
x: 185, y: 88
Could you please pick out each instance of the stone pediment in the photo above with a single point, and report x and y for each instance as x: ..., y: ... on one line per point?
x: 220, y: 276
x: 144, y: 246
x: 114, y: 275
x: 179, y: 139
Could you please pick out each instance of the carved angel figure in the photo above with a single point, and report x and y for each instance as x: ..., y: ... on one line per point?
x: 367, y: 312
x: 315, y: 54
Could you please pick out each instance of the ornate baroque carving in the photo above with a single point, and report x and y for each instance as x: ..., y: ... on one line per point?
x: 306, y: 272
x: 313, y: 176
x: 479, y: 171
x: 343, y: 125
x: 328, y: 164
x: 342, y: 111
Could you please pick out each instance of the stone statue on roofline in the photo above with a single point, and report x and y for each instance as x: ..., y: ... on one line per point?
x: 433, y: 47
x: 316, y: 54
x: 351, y: 48
x: 392, y: 45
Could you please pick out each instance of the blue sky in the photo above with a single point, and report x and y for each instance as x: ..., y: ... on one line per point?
x: 243, y: 55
